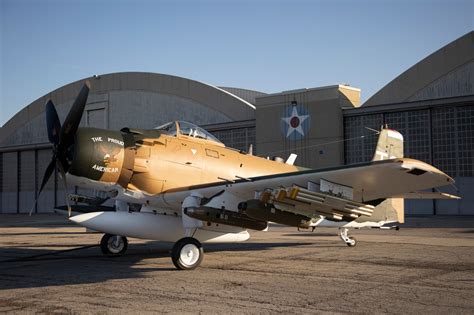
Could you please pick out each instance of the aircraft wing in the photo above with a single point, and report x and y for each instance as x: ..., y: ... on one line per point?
x: 427, y: 195
x: 367, y: 181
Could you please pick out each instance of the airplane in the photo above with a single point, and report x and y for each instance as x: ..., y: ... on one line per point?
x: 178, y: 183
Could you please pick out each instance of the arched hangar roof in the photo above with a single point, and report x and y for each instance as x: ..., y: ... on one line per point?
x: 132, y: 99
x: 246, y: 94
x: 448, y: 72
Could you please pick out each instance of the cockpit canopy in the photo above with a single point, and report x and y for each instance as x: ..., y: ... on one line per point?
x: 188, y: 129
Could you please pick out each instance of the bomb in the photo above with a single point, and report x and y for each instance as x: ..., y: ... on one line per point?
x: 226, y: 217
x: 259, y: 210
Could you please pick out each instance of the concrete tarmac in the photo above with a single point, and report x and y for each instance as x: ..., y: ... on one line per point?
x: 48, y: 265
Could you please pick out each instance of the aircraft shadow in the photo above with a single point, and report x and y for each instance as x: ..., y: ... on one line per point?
x: 22, y: 267
x: 311, y: 234
x: 241, y: 247
x: 45, y: 233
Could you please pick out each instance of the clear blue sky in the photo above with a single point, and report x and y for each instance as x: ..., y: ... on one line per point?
x: 268, y: 46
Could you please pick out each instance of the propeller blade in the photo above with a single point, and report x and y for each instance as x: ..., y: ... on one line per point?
x: 73, y: 118
x: 63, y: 161
x: 52, y: 123
x: 47, y: 175
x: 62, y: 137
x: 63, y: 175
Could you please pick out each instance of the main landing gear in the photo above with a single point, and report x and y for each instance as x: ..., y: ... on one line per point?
x: 187, y: 253
x: 343, y: 234
x: 113, y: 245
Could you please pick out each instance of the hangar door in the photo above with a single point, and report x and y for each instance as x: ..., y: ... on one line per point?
x: 96, y: 117
x: 9, y: 182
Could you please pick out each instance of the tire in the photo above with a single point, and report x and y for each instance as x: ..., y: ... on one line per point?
x: 353, y: 243
x: 110, y: 247
x: 187, y: 253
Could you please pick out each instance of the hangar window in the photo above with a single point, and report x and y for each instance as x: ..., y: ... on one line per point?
x: 360, y: 143
x: 466, y: 140
x: 445, y: 139
x: 453, y: 140
x: 237, y: 138
x: 415, y: 127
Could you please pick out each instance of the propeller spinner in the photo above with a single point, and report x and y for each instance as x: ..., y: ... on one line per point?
x: 62, y: 138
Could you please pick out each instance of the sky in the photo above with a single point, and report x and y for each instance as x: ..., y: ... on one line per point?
x: 263, y: 45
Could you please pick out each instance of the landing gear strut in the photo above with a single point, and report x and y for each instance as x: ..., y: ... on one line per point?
x: 187, y: 253
x: 350, y: 241
x: 113, y: 245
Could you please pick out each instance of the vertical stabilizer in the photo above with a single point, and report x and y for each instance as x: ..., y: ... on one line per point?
x: 389, y: 145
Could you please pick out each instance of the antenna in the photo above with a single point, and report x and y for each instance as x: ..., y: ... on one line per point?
x: 376, y: 131
x: 250, y: 149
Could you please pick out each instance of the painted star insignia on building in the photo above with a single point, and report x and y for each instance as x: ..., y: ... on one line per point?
x: 295, y: 123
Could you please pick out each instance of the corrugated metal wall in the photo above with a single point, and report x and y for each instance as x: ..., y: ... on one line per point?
x: 21, y: 173
x: 9, y: 182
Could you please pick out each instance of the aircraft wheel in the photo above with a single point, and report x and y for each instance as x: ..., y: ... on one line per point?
x: 187, y: 253
x: 113, y: 245
x: 351, y: 242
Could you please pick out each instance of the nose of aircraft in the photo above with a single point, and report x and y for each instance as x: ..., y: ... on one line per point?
x: 98, y: 154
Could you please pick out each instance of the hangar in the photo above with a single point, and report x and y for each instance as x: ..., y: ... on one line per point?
x: 432, y: 104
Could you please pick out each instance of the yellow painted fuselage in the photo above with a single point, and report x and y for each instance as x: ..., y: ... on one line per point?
x: 176, y: 162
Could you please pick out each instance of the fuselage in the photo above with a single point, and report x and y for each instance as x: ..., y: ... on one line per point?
x: 143, y: 165
x: 151, y: 162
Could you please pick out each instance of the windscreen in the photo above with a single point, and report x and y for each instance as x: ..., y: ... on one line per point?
x: 168, y: 128
x: 191, y: 130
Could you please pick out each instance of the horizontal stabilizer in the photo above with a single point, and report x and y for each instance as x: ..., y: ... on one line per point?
x: 427, y: 195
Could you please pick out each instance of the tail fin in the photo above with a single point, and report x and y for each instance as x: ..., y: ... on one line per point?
x: 389, y: 145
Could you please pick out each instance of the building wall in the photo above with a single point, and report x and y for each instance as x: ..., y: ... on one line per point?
x: 319, y: 141
x: 9, y: 182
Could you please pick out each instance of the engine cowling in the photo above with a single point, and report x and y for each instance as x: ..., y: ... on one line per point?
x: 103, y: 155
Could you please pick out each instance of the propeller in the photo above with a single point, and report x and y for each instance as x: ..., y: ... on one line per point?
x: 62, y: 138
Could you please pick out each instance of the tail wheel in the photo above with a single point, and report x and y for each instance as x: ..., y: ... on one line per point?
x: 187, y: 253
x: 113, y: 245
x: 351, y: 242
